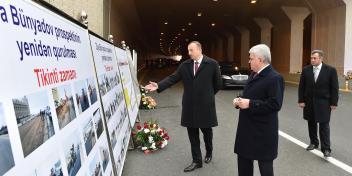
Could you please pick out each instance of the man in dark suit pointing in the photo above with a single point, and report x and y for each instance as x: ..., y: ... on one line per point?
x: 257, y: 130
x: 201, y: 81
x: 318, y: 95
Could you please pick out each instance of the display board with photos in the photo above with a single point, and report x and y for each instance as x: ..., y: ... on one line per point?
x: 111, y: 90
x: 128, y: 84
x: 50, y: 114
x: 132, y: 61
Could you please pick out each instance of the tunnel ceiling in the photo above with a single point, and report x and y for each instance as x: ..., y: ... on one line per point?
x: 184, y: 24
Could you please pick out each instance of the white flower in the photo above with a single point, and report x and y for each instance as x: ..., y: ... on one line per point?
x: 144, y: 148
x: 158, y: 130
x: 153, y: 146
x: 151, y: 139
x: 154, y: 126
x: 153, y: 131
x: 146, y: 130
x: 164, y: 143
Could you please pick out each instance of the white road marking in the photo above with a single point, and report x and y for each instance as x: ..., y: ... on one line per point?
x: 332, y: 160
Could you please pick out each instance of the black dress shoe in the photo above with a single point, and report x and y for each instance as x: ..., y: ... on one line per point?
x: 312, y: 147
x: 326, y: 153
x: 207, y: 159
x: 192, y: 167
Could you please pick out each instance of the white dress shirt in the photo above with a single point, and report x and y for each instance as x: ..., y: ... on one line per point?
x: 316, y: 71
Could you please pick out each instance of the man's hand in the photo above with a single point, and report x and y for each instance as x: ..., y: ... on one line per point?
x: 241, y: 103
x: 152, y: 86
x: 333, y: 107
x: 301, y: 105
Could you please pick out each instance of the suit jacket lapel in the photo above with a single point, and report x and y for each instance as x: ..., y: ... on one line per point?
x: 202, y: 65
x: 311, y: 73
x: 322, y: 70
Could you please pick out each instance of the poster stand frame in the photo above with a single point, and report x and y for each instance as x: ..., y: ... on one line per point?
x: 102, y: 106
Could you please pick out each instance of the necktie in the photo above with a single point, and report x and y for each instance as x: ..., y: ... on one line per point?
x: 316, y: 73
x: 196, y: 66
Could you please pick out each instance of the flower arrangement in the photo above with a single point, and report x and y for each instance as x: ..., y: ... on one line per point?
x: 150, y: 136
x: 147, y: 102
x: 348, y: 75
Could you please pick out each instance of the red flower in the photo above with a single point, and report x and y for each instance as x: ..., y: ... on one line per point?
x: 146, y: 125
x: 160, y: 133
x: 146, y: 152
x: 139, y: 127
x: 159, y: 143
x: 133, y: 133
x: 167, y: 137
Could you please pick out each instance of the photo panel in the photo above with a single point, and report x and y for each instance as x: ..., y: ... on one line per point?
x: 95, y: 167
x: 64, y: 105
x: 34, y: 120
x: 89, y: 136
x: 102, y: 85
x: 73, y: 152
x: 6, y: 156
x: 98, y: 122
x: 81, y: 91
x: 92, y: 91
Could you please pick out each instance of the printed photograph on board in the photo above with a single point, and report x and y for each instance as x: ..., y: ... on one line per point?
x: 95, y: 167
x: 64, y: 104
x: 73, y: 154
x: 98, y: 121
x: 34, y: 120
x: 104, y: 155
x: 51, y: 169
x: 89, y: 136
x: 6, y: 157
x: 92, y: 91
x: 81, y: 95
x: 113, y: 138
x: 102, y: 83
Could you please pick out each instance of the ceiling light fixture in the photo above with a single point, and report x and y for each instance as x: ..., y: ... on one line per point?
x: 166, y: 22
x: 199, y: 14
x: 183, y: 29
x: 162, y: 33
x: 189, y: 24
x: 213, y: 24
x: 195, y: 34
x: 253, y: 1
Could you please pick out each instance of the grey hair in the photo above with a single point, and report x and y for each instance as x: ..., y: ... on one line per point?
x: 263, y: 51
x: 320, y: 52
x: 197, y: 44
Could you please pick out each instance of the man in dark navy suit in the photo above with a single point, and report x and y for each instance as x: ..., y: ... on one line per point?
x: 257, y: 131
x: 201, y: 80
x: 318, y: 95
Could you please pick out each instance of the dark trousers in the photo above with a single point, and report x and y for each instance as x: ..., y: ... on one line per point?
x: 245, y: 167
x: 324, y: 134
x: 193, y: 135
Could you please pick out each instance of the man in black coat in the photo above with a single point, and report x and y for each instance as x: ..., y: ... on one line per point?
x: 201, y: 81
x: 257, y: 130
x: 318, y: 95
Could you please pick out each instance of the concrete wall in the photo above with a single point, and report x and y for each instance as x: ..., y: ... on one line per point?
x: 280, y: 43
x: 329, y: 30
x: 94, y: 9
